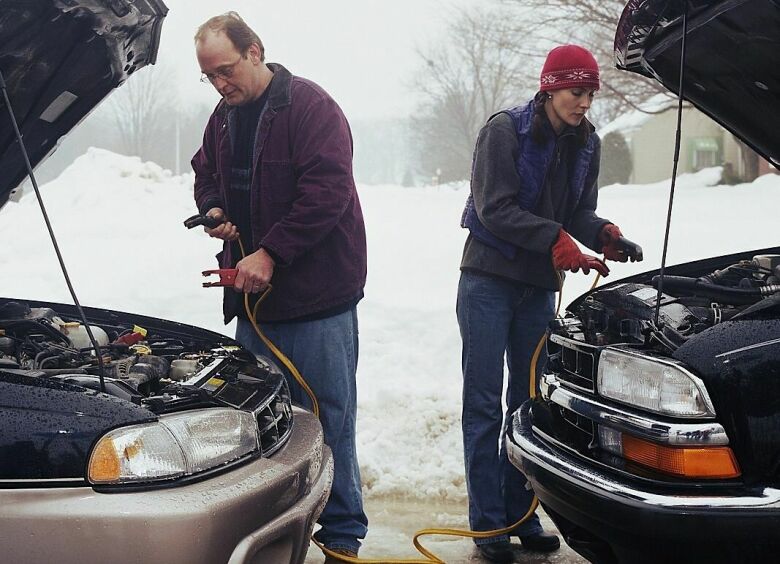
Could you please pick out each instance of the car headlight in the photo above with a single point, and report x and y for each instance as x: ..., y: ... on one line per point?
x: 179, y: 444
x: 653, y: 384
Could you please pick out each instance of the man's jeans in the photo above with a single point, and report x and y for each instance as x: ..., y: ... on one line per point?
x: 325, y: 352
x: 497, y: 316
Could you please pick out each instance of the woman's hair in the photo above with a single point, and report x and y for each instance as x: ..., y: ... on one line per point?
x: 539, y: 124
x: 236, y: 29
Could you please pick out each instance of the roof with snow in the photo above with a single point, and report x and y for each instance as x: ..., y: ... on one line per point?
x: 634, y: 120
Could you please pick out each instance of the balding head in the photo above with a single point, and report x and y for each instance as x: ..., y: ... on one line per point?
x: 231, y: 57
x: 235, y: 29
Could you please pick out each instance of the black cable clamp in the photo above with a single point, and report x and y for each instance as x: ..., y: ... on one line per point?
x: 205, y: 220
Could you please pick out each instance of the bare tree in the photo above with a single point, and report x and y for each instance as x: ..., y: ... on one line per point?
x: 142, y: 110
x: 591, y: 23
x: 480, y: 68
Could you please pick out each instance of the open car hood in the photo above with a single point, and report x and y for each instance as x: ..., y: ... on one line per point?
x: 732, y: 57
x: 60, y: 58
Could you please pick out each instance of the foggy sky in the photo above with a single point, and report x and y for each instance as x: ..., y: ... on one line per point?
x: 361, y: 51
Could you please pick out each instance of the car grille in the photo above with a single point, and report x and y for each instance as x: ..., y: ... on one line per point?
x: 581, y: 430
x: 573, y: 363
x: 274, y: 420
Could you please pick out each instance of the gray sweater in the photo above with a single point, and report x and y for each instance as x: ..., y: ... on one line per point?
x: 494, y: 186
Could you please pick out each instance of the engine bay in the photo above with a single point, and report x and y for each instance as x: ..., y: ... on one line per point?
x: 625, y: 312
x: 138, y: 363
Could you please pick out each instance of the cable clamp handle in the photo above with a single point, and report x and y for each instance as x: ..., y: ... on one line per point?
x: 205, y: 220
x: 630, y: 249
x: 227, y: 277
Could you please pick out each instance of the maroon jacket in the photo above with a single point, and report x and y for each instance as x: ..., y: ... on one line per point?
x: 304, y: 207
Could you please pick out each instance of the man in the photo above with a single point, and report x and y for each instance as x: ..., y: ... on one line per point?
x: 276, y: 165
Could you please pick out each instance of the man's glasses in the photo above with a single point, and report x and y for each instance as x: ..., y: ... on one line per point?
x: 224, y: 72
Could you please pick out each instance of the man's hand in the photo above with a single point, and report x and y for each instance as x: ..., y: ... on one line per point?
x: 566, y: 255
x: 225, y: 231
x: 254, y: 272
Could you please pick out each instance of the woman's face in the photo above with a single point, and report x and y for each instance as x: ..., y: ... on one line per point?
x: 568, y: 106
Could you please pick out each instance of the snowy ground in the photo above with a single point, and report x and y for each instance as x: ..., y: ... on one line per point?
x: 119, y: 223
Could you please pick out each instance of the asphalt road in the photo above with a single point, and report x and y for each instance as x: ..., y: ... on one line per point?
x: 392, y: 525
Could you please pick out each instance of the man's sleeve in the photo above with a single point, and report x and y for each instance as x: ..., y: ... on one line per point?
x: 207, y: 194
x: 585, y: 225
x: 495, y: 184
x: 322, y: 161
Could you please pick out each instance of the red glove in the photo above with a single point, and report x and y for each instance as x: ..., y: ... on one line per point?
x: 566, y: 255
x: 609, y: 236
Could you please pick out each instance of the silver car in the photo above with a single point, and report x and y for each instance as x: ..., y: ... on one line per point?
x: 126, y: 438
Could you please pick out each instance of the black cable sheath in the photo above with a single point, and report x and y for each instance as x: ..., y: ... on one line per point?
x: 674, y: 168
x: 20, y: 140
x: 724, y: 294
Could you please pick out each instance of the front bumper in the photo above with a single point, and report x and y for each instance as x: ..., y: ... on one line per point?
x: 615, y: 509
x: 262, y: 511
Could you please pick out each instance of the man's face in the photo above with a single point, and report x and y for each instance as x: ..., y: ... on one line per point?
x: 235, y: 76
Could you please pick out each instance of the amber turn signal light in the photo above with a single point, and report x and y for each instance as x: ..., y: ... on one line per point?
x: 688, y: 462
x: 104, y: 465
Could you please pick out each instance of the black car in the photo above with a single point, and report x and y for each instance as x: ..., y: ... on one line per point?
x: 655, y: 435
x: 148, y: 440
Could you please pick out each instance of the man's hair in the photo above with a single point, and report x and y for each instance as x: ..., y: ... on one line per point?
x: 231, y: 24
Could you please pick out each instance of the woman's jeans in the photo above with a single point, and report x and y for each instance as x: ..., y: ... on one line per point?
x: 496, y: 317
x: 325, y: 352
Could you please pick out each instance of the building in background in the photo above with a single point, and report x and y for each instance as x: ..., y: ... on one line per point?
x: 649, y: 135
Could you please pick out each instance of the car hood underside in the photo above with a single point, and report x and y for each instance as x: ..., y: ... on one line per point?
x: 59, y: 59
x: 732, y: 53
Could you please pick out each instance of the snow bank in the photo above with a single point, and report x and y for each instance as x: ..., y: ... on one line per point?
x: 119, y: 223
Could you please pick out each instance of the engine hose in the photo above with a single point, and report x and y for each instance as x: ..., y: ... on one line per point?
x: 429, y: 557
x: 726, y: 295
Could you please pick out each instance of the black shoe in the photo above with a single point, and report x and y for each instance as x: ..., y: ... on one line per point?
x: 341, y: 551
x: 541, y: 542
x: 500, y: 551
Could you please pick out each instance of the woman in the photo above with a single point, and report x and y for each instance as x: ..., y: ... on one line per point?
x: 534, y: 181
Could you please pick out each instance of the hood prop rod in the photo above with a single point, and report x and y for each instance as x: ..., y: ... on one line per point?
x: 674, y: 168
x: 20, y: 140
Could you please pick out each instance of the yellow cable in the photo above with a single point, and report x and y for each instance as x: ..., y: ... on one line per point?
x: 252, y: 315
x: 277, y: 353
x: 430, y: 557
x: 356, y: 560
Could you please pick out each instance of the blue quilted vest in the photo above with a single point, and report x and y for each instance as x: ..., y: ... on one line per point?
x: 533, y: 163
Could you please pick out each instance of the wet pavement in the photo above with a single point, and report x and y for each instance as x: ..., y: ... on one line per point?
x: 392, y: 524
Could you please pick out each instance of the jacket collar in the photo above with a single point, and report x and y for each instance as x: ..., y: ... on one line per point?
x: 280, y: 89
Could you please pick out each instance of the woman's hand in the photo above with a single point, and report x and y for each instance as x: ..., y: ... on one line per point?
x: 566, y: 255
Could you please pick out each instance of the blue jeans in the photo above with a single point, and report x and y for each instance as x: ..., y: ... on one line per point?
x: 325, y: 352
x: 497, y: 317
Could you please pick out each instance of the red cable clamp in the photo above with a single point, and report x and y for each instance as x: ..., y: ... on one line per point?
x: 227, y: 277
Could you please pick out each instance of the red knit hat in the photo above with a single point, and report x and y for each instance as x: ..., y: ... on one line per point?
x: 569, y: 66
